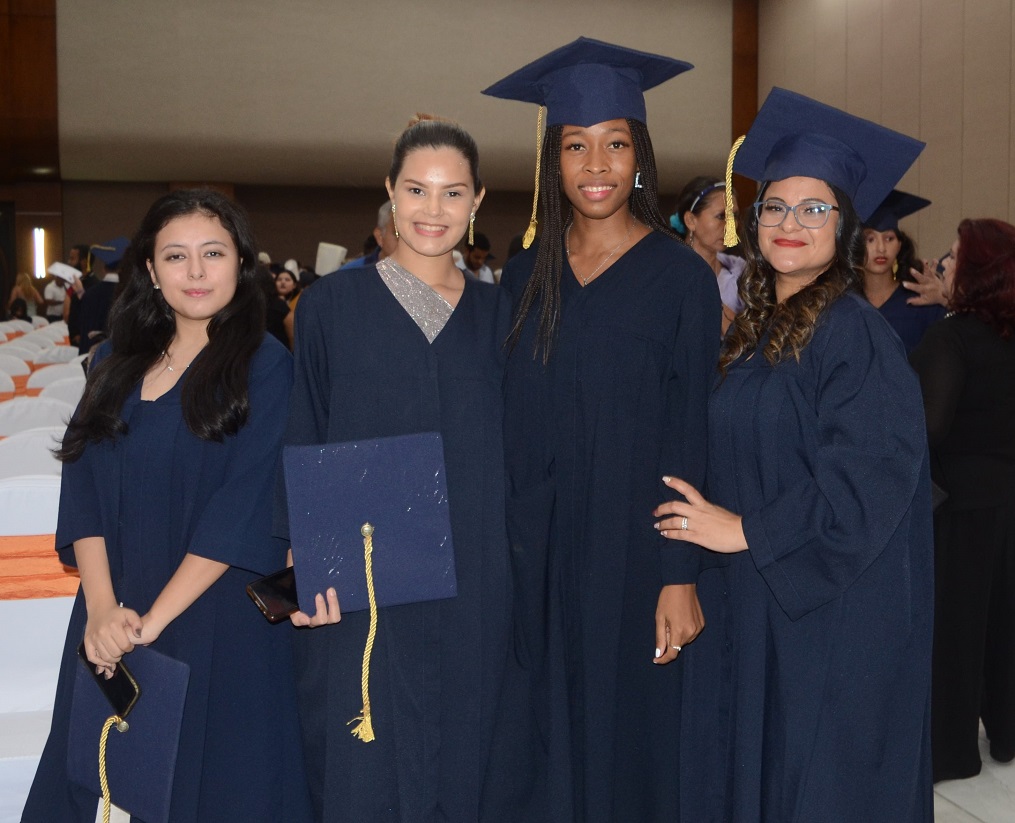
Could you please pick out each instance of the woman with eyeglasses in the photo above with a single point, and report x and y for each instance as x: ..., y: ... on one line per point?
x: 810, y: 687
x: 700, y: 218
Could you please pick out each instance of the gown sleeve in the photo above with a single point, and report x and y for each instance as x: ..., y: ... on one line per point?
x: 864, y: 445
x: 694, y: 363
x: 80, y: 513
x: 939, y: 364
x: 235, y: 525
x: 311, y: 390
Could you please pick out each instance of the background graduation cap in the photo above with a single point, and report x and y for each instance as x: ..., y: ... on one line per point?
x: 584, y: 83
x: 893, y: 208
x: 795, y: 136
x: 370, y: 518
x: 111, y: 252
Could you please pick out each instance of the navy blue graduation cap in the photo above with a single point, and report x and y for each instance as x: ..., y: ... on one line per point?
x: 588, y: 82
x: 141, y: 761
x: 584, y: 83
x: 370, y: 518
x: 397, y: 485
x: 893, y: 208
x: 112, y: 251
x: 795, y: 136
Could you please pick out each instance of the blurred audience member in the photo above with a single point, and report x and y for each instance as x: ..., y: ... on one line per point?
x: 700, y: 218
x: 24, y: 289
x: 384, y: 234
x: 475, y: 256
x: 966, y: 365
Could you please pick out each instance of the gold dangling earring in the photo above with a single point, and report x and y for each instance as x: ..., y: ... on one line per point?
x: 690, y: 239
x: 472, y: 229
x: 895, y: 270
x: 393, y: 223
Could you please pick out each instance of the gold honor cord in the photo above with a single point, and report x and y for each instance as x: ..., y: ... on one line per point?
x: 730, y: 238
x: 365, y: 730
x: 530, y: 232
x: 121, y: 726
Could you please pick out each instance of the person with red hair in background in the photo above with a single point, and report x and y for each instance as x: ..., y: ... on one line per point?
x: 966, y: 364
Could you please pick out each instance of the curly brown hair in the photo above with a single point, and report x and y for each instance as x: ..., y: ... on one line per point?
x: 790, y: 324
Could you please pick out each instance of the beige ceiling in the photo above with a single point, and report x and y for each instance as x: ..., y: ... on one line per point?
x: 313, y: 92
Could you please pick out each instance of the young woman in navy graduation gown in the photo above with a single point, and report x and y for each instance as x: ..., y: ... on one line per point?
x: 168, y: 477
x: 612, y: 353
x: 411, y: 345
x: 811, y: 684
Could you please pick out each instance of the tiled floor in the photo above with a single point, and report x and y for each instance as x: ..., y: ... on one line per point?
x: 987, y: 798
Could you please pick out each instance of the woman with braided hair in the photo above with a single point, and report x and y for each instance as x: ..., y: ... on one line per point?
x: 612, y: 352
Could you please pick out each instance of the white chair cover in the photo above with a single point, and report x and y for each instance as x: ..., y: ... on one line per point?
x: 19, y: 325
x: 6, y: 383
x: 59, y: 325
x: 23, y: 413
x: 69, y: 390
x: 30, y: 453
x: 56, y: 354
x: 38, y: 322
x: 13, y: 365
x: 21, y: 352
x: 26, y: 342
x: 51, y: 333
x: 50, y: 374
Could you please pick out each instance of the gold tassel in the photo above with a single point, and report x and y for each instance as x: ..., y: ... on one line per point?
x: 121, y: 726
x: 365, y: 730
x: 530, y: 232
x: 730, y: 238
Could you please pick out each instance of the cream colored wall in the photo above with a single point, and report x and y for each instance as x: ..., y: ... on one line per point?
x: 940, y: 70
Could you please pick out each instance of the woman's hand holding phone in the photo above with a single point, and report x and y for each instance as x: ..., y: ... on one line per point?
x: 110, y: 633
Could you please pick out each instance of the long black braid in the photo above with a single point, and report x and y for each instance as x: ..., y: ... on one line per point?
x: 544, y: 284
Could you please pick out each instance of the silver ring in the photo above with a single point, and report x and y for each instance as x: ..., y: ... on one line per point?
x: 683, y: 524
x: 675, y: 648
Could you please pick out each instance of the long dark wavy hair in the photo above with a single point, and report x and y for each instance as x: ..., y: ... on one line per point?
x: 142, y: 325
x: 544, y: 284
x: 790, y: 324
x: 985, y: 273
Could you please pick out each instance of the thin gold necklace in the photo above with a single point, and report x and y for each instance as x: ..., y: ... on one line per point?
x: 567, y: 251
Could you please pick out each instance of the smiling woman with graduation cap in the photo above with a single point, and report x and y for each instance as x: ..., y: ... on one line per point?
x: 808, y: 696
x: 612, y: 352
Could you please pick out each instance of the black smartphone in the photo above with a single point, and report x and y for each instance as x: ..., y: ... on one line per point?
x: 121, y: 690
x: 275, y: 595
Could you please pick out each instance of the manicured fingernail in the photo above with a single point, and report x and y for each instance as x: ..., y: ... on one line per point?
x: 666, y: 479
x: 655, y: 526
x: 659, y: 652
x: 664, y: 533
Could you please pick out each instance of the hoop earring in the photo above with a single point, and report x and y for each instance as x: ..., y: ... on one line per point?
x: 472, y: 229
x: 393, y: 223
x: 637, y: 180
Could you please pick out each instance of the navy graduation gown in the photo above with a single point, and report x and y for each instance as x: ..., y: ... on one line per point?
x: 807, y: 697
x: 909, y: 322
x: 622, y: 401
x: 154, y: 495
x: 364, y: 369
